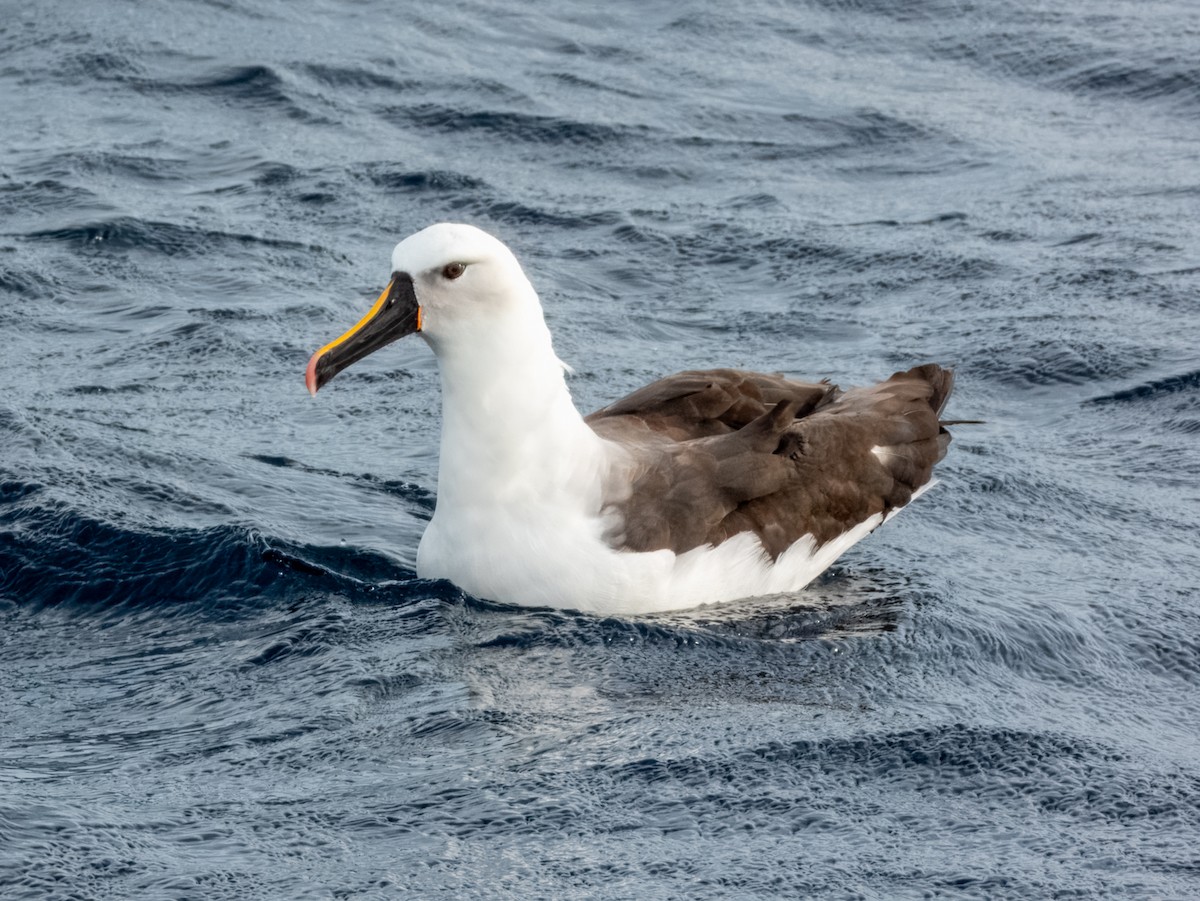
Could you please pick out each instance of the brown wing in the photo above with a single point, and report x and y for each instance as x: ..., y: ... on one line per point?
x: 723, y: 452
x: 702, y: 403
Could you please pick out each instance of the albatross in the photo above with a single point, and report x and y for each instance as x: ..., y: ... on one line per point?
x: 702, y: 487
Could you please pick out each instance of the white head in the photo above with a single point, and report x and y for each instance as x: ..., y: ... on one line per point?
x: 456, y: 285
x: 465, y: 281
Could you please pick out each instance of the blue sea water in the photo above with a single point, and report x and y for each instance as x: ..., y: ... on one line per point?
x: 219, y: 675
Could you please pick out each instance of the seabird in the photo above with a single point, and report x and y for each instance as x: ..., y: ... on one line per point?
x: 702, y: 487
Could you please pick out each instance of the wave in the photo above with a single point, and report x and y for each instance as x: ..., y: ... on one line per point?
x: 1055, y: 773
x: 57, y: 556
x: 125, y: 233
x: 513, y: 126
x: 1187, y: 382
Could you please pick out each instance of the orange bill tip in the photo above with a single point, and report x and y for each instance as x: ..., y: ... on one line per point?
x: 310, y: 374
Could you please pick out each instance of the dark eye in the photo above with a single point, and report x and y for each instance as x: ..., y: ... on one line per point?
x: 454, y: 270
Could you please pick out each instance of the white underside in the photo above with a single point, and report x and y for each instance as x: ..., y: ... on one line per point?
x: 559, y: 563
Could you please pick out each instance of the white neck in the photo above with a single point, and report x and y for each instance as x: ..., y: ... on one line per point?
x: 510, y: 432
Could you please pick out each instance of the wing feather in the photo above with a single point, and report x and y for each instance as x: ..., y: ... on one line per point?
x: 720, y: 452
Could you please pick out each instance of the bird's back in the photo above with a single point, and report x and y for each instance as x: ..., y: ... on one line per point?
x: 718, y: 453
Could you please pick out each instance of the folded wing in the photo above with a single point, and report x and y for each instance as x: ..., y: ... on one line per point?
x: 719, y: 452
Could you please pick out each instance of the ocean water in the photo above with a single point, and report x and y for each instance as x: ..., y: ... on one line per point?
x: 219, y: 675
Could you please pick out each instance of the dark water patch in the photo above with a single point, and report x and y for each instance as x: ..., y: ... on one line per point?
x: 200, y: 343
x: 14, y: 490
x: 367, y: 377
x: 256, y: 87
x: 154, y: 170
x: 125, y: 234
x: 45, y: 196
x: 319, y: 198
x: 270, y: 175
x: 1166, y: 654
x: 838, y: 605
x: 802, y: 325
x: 525, y: 128
x: 59, y: 557
x: 1187, y: 425
x: 642, y: 234
x: 616, y: 53
x: 808, y: 257
x: 759, y: 201
x: 253, y: 87
x: 513, y: 213
x: 661, y: 176
x: 870, y: 143
x: 82, y: 856
x: 227, y: 315
x: 940, y: 219
x: 1084, y: 238
x: 573, y: 80
x: 1052, y: 648
x: 341, y: 77
x: 837, y: 608
x: 1169, y: 79
x: 784, y: 251
x: 1005, y: 236
x: 297, y: 636
x: 1004, y: 493
x: 1021, y: 54
x: 377, y: 689
x: 1081, y: 65
x: 699, y: 24
x: 1187, y: 382
x: 417, y: 495
x: 143, y: 314
x: 1057, y: 774
x: 392, y: 178
x: 24, y: 437
x: 907, y: 11
x: 158, y: 496
x: 454, y: 729
x: 287, y: 463
x: 28, y: 283
x: 113, y: 64
x: 338, y: 567
x: 54, y: 556
x: 1109, y: 290
x: 1153, y: 424
x: 281, y: 185
x: 861, y: 143
x: 868, y: 128
x: 1022, y: 355
x: 487, y: 624
x: 498, y: 90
